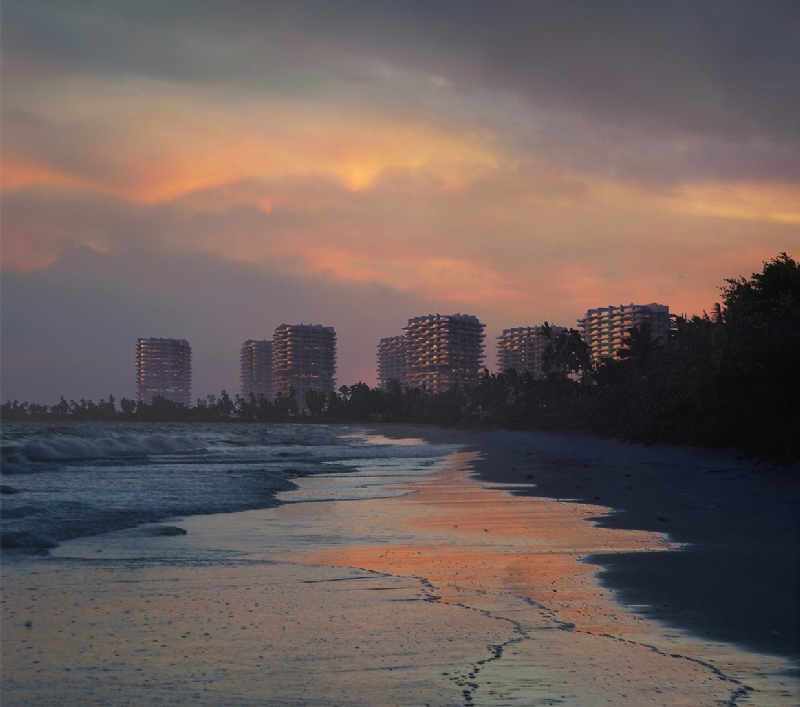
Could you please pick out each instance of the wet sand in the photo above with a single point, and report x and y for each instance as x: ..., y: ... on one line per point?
x: 458, y: 592
x: 737, y: 580
x: 738, y: 575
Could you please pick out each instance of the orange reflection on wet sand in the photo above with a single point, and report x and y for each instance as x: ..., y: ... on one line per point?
x: 519, y: 560
x: 474, y: 538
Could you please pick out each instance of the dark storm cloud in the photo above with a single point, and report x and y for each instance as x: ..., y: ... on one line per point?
x: 196, y: 42
x: 726, y: 67
x: 697, y: 66
x: 617, y: 152
x: 657, y: 92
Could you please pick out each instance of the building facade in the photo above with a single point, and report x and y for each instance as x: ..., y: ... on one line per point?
x: 303, y: 357
x: 392, y: 361
x: 255, y: 359
x: 523, y: 348
x: 443, y: 351
x: 603, y: 329
x: 164, y: 368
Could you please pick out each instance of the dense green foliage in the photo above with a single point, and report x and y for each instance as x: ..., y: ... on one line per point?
x: 731, y: 379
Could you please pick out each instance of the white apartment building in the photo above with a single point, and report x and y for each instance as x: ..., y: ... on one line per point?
x: 255, y: 365
x: 444, y: 351
x: 522, y: 349
x: 604, y: 328
x: 164, y: 369
x: 392, y: 360
x: 303, y: 356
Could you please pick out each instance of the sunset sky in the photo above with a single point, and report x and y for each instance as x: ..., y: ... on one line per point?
x: 210, y: 170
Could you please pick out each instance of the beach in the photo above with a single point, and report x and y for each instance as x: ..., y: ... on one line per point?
x: 468, y: 585
x: 736, y: 579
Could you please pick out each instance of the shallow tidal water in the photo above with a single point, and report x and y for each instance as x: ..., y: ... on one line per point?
x: 394, y: 583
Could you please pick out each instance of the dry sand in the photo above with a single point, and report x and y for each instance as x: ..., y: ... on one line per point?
x: 458, y: 592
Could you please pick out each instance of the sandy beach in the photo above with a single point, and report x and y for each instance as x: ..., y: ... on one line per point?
x: 737, y: 578
x: 468, y: 586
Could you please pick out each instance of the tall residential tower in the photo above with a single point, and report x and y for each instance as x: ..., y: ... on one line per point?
x: 255, y: 360
x: 604, y: 328
x: 443, y: 351
x: 392, y: 361
x: 303, y: 357
x: 522, y: 349
x: 164, y: 368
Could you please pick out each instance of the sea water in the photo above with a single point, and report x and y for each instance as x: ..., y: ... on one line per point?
x: 67, y: 480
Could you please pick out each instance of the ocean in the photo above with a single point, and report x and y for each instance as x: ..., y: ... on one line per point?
x: 63, y: 481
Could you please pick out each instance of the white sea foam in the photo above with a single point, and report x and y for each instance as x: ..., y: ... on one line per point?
x: 89, y: 478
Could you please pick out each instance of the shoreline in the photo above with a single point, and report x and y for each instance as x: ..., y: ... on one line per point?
x: 735, y: 581
x: 446, y: 590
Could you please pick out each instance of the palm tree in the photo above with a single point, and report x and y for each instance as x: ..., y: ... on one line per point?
x: 638, y: 345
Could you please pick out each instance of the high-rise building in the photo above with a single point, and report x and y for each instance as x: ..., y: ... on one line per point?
x: 392, y: 360
x: 255, y: 360
x: 603, y: 329
x: 303, y: 356
x: 164, y: 368
x: 443, y: 351
x: 522, y: 348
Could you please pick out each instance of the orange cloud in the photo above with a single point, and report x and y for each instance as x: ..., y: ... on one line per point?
x: 448, y: 280
x: 768, y: 202
x: 157, y: 143
x: 18, y: 173
x: 778, y: 203
x: 421, y: 204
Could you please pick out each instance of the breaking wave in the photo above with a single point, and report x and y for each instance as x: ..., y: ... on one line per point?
x: 88, y: 478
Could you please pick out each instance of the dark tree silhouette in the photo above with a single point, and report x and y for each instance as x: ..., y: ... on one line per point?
x: 638, y: 345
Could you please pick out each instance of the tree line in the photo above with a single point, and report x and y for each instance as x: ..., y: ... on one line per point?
x: 730, y: 378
